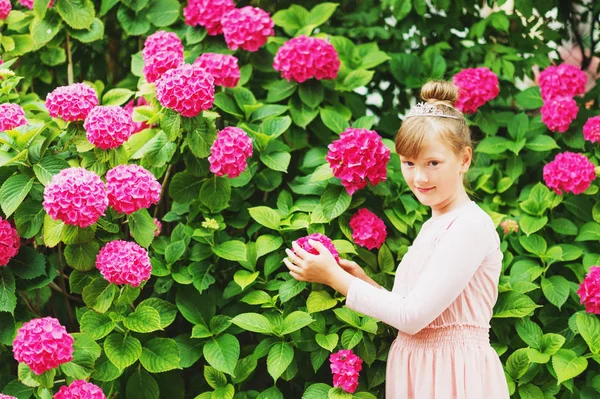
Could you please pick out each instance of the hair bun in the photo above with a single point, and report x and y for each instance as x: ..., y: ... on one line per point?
x: 440, y: 91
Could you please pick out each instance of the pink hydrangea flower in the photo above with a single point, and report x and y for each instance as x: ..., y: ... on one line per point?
x: 509, y: 226
x: 247, y: 27
x: 162, y: 52
x: 108, y: 126
x: 43, y: 344
x: 131, y: 188
x: 303, y: 243
x: 80, y: 389
x: 158, y: 227
x: 76, y: 196
x: 345, y: 366
x: 302, y: 58
x: 10, y: 242
x: 476, y: 87
x: 562, y: 81
x: 223, y: 68
x: 229, y: 152
x: 5, y: 8
x: 558, y: 113
x: 589, y: 291
x: 29, y: 3
x: 136, y: 127
x: 187, y: 89
x: 569, y: 172
x: 358, y: 155
x: 71, y: 103
x: 11, y: 116
x: 591, y: 129
x: 207, y: 13
x: 368, y: 229
x: 3, y: 396
x: 124, y: 262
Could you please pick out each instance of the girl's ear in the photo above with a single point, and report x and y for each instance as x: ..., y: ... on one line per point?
x: 467, y: 157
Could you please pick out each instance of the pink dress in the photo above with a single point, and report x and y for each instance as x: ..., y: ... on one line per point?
x: 444, y: 292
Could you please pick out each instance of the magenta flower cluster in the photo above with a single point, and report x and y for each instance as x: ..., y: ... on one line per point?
x: 247, y: 28
x: 11, y: 116
x: 43, y: 344
x: 80, y: 389
x: 223, y: 68
x: 10, y: 242
x: 368, y: 230
x: 569, y: 172
x: 207, y: 13
x: 187, y: 89
x: 476, y: 87
x: 345, y: 367
x: 591, y: 129
x: 75, y: 196
x: 563, y: 80
x: 323, y: 239
x: 302, y: 58
x: 71, y: 103
x: 229, y: 152
x: 124, y: 262
x: 558, y: 113
x: 357, y: 156
x: 162, y: 52
x: 131, y: 188
x: 589, y: 291
x: 5, y: 8
x: 108, y: 126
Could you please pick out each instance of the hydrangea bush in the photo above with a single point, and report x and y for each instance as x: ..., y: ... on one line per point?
x: 158, y: 157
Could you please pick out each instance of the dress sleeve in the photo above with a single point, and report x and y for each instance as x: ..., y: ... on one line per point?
x: 458, y: 255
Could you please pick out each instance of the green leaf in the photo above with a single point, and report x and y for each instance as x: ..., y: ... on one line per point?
x: 222, y: 353
x: 99, y: 294
x: 534, y: 244
x: 48, y: 167
x: 29, y: 218
x: 170, y: 123
x: 556, y: 290
x: 78, y: 14
x: 254, y: 322
x: 244, y: 278
x: 335, y: 201
x: 117, y: 96
x: 517, y: 363
x: 514, y: 304
x: 160, y: 355
x: 589, y: 232
x: 278, y: 160
x: 133, y: 24
x: 351, y: 338
x: 276, y: 126
x: 295, y: 321
x: 267, y: 243
x: 551, y: 343
x: 142, y: 385
x: 8, y: 299
x: 174, y: 251
x: 244, y: 368
x: 290, y: 289
x: 493, y: 145
x: 320, y: 14
x: 27, y: 264
x: 44, y: 30
x: 568, y: 365
x: 85, y: 353
x: 265, y: 216
x: 530, y: 333
x: 82, y: 257
x: 355, y: 79
x: 319, y: 300
x: 279, y: 358
x: 121, y: 350
x: 317, y: 391
x: 90, y: 35
x: 231, y: 250
x: 96, y: 325
x: 311, y: 92
x: 184, y: 187
x: 202, y: 279
x: 328, y: 342
x: 541, y: 143
x: 530, y: 391
x: 163, y: 12
x: 201, y: 139
x: 13, y: 192
x: 333, y: 120
x: 530, y: 224
x: 215, y: 194
x: 530, y: 98
x: 280, y: 90
x: 142, y: 227
x: 145, y: 319
x: 589, y: 328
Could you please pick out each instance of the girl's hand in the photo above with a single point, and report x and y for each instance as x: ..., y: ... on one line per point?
x: 311, y: 268
x: 353, y: 268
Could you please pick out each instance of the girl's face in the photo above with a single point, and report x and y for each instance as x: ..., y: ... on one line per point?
x: 435, y: 175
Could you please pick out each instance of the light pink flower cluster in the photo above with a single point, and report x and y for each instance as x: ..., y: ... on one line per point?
x: 229, y: 152
x: 345, y: 366
x: 207, y: 13
x: 158, y: 227
x: 130, y: 107
x: 124, y: 262
x: 29, y: 3
x: 108, y: 126
x: 476, y: 87
x: 562, y: 81
x: 162, y: 52
x: 5, y: 8
x: 569, y: 172
x: 187, y: 89
x: 71, y: 103
x: 302, y: 58
x: 76, y: 196
x: 10, y: 242
x: 358, y: 155
x: 131, y: 188
x: 223, y: 68
x: 509, y: 226
x: 589, y: 290
x: 3, y: 396
x: 303, y: 243
x: 558, y: 113
x: 247, y: 27
x: 368, y: 230
x: 11, y: 116
x: 80, y: 389
x: 591, y: 129
x: 43, y: 344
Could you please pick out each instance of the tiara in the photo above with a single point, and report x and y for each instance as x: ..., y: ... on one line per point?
x: 427, y: 109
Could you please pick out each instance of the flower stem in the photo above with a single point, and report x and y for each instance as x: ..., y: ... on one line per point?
x: 70, y: 60
x: 63, y: 286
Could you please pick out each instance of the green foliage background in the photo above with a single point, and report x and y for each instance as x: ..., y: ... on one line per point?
x: 221, y: 317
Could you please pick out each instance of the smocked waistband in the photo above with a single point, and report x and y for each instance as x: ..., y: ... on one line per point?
x: 445, y: 336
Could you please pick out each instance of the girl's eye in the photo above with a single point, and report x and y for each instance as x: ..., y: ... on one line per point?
x: 408, y: 163
x: 434, y: 163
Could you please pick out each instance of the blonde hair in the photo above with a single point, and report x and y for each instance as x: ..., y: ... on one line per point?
x: 414, y: 131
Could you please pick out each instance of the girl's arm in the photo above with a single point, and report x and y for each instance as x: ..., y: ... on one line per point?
x: 457, y: 256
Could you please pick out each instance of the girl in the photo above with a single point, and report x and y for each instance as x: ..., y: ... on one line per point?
x: 446, y: 285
